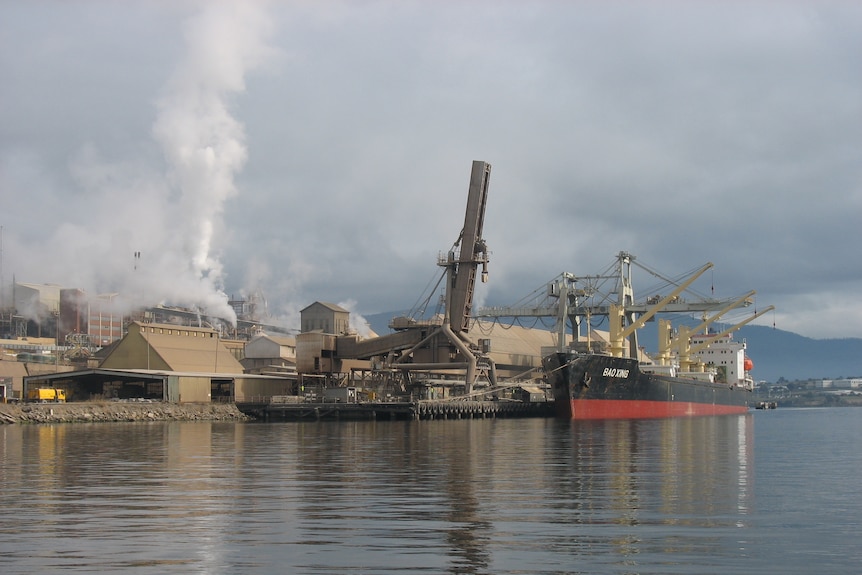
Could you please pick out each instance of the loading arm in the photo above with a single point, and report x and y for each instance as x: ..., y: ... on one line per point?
x: 462, y: 265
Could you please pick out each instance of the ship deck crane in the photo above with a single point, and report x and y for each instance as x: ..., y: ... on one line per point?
x: 686, y: 350
x: 619, y: 332
x: 664, y: 332
x: 569, y: 298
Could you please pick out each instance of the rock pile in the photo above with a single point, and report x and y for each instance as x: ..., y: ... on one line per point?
x: 118, y: 411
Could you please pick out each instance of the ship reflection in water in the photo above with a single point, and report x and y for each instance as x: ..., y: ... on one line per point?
x: 470, y: 496
x: 646, y: 488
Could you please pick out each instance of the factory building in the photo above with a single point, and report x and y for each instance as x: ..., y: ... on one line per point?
x: 333, y: 358
x: 47, y: 310
x: 266, y: 351
x: 173, y: 348
x: 326, y: 318
x: 164, y: 362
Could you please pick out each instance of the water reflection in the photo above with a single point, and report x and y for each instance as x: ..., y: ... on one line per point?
x: 492, y: 496
x: 405, y: 499
x: 675, y: 487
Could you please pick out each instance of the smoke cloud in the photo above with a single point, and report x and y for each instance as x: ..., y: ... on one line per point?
x: 203, y: 143
x: 150, y: 230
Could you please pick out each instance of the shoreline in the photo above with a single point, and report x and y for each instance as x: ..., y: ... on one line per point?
x: 117, y: 411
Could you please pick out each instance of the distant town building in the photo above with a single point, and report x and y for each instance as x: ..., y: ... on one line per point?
x: 849, y: 383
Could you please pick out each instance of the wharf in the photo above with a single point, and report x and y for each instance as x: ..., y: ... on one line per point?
x: 412, y: 410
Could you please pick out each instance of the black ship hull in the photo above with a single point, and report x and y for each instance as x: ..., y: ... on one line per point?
x: 605, y: 387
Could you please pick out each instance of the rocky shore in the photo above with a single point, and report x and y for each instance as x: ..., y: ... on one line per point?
x: 89, y: 412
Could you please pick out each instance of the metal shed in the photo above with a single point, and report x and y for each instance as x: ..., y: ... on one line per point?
x: 158, y: 385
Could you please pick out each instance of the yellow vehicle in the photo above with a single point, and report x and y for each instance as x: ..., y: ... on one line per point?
x: 47, y: 394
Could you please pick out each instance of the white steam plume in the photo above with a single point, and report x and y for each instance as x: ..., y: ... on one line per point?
x: 357, y: 323
x: 203, y: 144
x: 170, y: 221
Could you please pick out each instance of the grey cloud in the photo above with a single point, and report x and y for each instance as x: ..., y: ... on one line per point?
x: 682, y: 132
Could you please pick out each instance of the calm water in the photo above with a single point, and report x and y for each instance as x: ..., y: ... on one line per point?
x: 769, y: 492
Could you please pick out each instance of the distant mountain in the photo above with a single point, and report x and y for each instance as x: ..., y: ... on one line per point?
x: 776, y: 354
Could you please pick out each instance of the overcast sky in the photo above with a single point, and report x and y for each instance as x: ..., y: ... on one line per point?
x: 322, y: 150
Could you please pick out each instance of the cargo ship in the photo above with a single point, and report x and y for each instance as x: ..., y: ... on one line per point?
x: 595, y: 386
x: 608, y: 375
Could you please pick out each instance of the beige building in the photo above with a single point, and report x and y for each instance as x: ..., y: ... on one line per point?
x: 266, y: 352
x: 161, y: 385
x: 26, y: 356
x: 12, y: 374
x: 325, y: 318
x: 36, y: 300
x: 172, y: 348
x: 167, y: 362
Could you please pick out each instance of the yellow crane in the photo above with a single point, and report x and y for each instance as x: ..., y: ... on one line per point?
x: 616, y: 315
x: 665, y: 335
x: 686, y: 350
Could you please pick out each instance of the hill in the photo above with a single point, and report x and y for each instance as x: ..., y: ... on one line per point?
x: 776, y: 354
x: 783, y: 354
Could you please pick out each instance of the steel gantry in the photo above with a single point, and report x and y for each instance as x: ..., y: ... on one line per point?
x: 570, y: 299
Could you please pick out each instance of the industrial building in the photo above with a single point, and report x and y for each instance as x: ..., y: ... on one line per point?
x: 166, y: 362
x: 325, y: 318
x: 438, y: 356
x: 172, y: 348
x: 48, y: 310
x: 325, y: 360
x: 269, y: 354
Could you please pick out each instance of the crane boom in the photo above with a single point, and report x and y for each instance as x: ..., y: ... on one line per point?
x: 734, y: 327
x: 618, y: 333
x: 686, y: 350
x: 463, y: 265
x: 665, y: 328
x: 742, y: 301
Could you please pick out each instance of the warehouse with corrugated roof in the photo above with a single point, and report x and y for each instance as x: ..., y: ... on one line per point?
x: 164, y: 362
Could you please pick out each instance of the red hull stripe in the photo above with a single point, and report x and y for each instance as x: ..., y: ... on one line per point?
x: 640, y: 409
